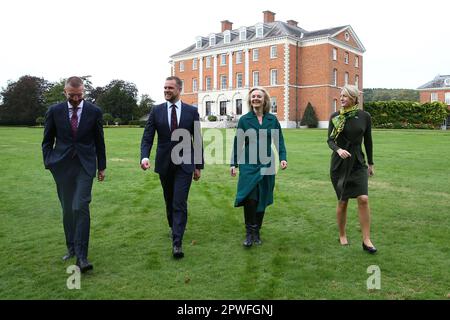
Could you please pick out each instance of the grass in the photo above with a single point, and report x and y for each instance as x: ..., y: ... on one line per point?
x: 299, y: 259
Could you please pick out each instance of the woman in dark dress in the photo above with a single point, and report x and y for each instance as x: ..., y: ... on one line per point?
x: 252, y: 153
x: 349, y: 173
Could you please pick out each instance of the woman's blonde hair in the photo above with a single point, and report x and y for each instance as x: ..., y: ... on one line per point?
x: 266, y: 105
x: 352, y: 92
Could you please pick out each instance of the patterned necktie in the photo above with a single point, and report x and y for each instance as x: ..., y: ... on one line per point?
x: 173, y: 119
x: 74, y: 122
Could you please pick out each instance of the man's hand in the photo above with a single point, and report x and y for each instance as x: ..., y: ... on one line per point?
x: 233, y: 171
x: 101, y: 175
x: 197, y: 174
x: 145, y: 164
x: 283, y: 164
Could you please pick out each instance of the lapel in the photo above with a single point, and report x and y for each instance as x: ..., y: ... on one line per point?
x: 65, y: 111
x: 182, y: 115
x: 267, y: 121
x: 165, y: 119
x: 84, y: 115
x: 252, y: 120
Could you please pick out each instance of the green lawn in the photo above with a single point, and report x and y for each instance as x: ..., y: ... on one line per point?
x: 299, y: 259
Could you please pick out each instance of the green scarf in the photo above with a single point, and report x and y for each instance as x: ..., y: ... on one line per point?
x: 339, y: 121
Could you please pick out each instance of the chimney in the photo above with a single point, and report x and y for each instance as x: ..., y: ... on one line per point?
x: 292, y: 23
x: 269, y: 16
x: 226, y: 25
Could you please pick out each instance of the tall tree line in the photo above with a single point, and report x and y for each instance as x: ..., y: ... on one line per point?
x: 27, y: 99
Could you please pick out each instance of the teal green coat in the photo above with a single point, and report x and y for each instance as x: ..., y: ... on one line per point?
x: 255, y: 171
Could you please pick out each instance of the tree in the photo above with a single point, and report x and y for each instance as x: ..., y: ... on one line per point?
x: 309, y: 117
x: 23, y: 101
x: 107, y: 117
x: 144, y: 107
x: 119, y: 98
x: 40, y: 121
x: 54, y: 94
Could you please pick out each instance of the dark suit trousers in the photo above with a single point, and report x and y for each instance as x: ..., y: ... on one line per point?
x: 74, y: 188
x: 176, y: 184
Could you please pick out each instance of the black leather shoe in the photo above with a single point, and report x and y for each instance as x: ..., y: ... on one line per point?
x: 371, y: 250
x: 84, y: 265
x: 69, y: 255
x: 177, y: 252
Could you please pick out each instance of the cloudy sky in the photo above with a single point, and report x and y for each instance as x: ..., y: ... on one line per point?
x: 407, y: 42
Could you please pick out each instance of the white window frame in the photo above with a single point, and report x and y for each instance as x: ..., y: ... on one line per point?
x: 255, y: 75
x: 194, y: 64
x: 239, y: 78
x: 181, y: 66
x: 434, y: 97
x: 356, y: 62
x: 334, y: 54
x: 198, y: 42
x: 357, y: 81
x: 226, y: 36
x: 447, y: 98
x: 208, y: 84
x: 194, y: 85
x: 223, y: 59
x: 242, y: 33
x: 182, y: 86
x: 273, y: 77
x: 273, y: 52
x: 273, y: 105
x: 238, y: 57
x: 346, y: 57
x: 212, y: 40
x: 255, y: 54
x: 259, y: 30
x: 346, y: 77
x: 335, y: 77
x: 334, y: 105
x: 223, y: 82
x: 208, y: 62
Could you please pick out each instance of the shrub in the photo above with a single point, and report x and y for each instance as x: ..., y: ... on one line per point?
x: 40, y: 121
x: 118, y: 121
x: 406, y: 114
x: 309, y: 117
x: 212, y: 118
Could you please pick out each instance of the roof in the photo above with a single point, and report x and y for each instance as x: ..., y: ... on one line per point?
x: 271, y: 30
x: 437, y: 83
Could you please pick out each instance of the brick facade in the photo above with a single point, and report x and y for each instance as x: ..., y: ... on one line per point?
x: 296, y: 68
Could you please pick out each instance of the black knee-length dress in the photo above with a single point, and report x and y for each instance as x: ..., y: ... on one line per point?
x: 349, y: 176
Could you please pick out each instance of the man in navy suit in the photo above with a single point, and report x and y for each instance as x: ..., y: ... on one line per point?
x: 73, y: 148
x: 177, y: 162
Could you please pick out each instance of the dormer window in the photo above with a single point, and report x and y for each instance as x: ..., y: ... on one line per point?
x: 259, y: 30
x: 227, y: 36
x: 198, y: 43
x: 242, y: 34
x: 447, y: 81
x: 212, y: 40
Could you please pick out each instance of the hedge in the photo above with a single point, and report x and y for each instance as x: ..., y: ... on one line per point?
x: 407, y: 114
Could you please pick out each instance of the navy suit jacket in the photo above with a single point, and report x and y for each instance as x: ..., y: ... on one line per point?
x: 89, y: 144
x: 158, y: 122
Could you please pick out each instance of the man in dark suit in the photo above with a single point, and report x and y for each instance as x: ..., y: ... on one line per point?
x: 177, y: 160
x: 73, y: 146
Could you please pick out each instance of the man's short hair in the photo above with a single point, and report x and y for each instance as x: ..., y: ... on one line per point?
x: 177, y: 80
x: 74, y: 82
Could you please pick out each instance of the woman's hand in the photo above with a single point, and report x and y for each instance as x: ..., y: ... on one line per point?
x: 233, y: 171
x: 370, y: 170
x: 283, y: 164
x: 344, y: 154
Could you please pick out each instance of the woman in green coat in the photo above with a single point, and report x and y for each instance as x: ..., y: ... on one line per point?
x: 252, y: 154
x: 349, y: 173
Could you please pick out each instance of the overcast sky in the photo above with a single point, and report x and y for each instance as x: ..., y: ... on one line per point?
x: 407, y: 42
